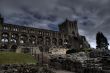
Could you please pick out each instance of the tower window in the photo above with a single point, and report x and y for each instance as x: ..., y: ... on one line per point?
x: 5, y: 28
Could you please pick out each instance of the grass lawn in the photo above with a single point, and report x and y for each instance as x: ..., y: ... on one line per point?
x: 16, y: 58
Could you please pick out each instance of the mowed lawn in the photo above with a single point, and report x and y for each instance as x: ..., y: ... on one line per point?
x: 16, y: 58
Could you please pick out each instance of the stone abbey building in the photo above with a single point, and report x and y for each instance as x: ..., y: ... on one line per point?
x: 28, y: 39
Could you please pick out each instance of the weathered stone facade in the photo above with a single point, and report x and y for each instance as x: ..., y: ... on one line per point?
x: 26, y: 39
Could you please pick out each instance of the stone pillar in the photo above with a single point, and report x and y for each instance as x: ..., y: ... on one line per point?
x: 32, y: 51
x: 19, y: 50
x: 63, y: 42
x: 51, y: 41
x: 9, y: 41
x: 36, y: 41
x: 19, y: 39
x: 57, y: 42
x: 44, y: 40
x: 0, y: 38
x: 28, y: 41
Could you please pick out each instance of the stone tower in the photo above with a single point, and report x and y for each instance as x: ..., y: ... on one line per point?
x: 69, y: 27
x: 1, y: 19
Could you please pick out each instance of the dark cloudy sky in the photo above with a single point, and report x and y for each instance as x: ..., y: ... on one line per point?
x: 92, y: 15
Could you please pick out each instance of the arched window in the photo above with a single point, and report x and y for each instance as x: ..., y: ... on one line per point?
x: 23, y: 39
x: 32, y: 39
x: 14, y: 38
x: 4, y: 46
x: 54, y: 41
x: 40, y: 40
x: 48, y: 41
x: 5, y: 38
x: 60, y: 42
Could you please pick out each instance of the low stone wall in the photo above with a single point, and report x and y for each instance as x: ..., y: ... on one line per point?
x: 58, y: 51
x: 93, y: 70
x: 24, y: 69
x: 66, y: 64
x: 61, y: 63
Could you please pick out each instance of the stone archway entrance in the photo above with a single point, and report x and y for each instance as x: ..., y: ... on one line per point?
x: 4, y: 47
x: 14, y: 48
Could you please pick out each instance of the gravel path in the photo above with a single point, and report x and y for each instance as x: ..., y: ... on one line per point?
x: 62, y: 71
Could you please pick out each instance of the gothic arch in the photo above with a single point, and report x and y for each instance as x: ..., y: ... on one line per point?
x: 40, y: 40
x: 47, y: 41
x: 60, y: 42
x: 5, y: 37
x: 4, y: 46
x: 23, y: 39
x: 13, y: 48
x: 14, y: 38
x: 32, y: 39
x: 54, y: 41
x: 5, y: 34
x: 65, y: 41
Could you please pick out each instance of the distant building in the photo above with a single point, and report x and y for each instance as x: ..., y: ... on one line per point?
x: 28, y: 39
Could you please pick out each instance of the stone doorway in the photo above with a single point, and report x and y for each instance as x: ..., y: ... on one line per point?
x: 14, y: 48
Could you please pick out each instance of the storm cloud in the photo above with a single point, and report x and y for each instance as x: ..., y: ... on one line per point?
x: 92, y: 15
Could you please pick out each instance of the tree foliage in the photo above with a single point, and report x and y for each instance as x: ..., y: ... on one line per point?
x: 101, y: 41
x: 71, y: 51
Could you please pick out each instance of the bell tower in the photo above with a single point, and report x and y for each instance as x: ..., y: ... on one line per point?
x: 69, y: 27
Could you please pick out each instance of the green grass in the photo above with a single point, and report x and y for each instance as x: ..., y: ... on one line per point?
x: 16, y: 58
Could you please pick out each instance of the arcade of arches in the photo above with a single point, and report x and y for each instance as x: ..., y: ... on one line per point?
x: 12, y: 41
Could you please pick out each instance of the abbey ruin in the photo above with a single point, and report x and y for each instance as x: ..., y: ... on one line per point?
x: 28, y: 39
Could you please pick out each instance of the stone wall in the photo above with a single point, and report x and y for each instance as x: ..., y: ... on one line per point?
x: 24, y: 69
x: 58, y: 51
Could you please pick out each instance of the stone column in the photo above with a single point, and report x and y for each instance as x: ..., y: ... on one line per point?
x: 0, y: 38
x: 57, y: 42
x: 44, y: 40
x: 28, y: 42
x: 19, y: 39
x: 36, y: 42
x: 51, y: 42
x: 19, y: 49
x: 9, y: 41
